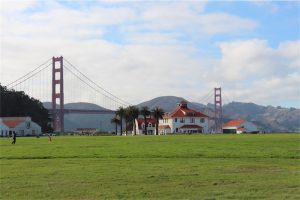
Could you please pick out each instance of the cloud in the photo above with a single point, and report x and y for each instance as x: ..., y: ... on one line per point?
x: 241, y: 59
x: 146, y: 56
x: 254, y: 72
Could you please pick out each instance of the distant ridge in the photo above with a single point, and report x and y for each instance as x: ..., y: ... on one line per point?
x: 268, y: 118
x: 77, y: 105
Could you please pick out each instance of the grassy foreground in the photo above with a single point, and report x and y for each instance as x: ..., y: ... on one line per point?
x: 152, y: 167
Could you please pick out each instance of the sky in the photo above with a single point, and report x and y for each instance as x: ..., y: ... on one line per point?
x: 139, y: 50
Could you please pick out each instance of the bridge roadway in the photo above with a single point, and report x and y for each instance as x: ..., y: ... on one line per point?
x: 82, y: 111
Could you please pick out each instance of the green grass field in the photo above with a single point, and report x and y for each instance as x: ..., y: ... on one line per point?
x: 152, y: 167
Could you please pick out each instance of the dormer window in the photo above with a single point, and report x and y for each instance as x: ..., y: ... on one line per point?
x: 149, y: 125
x: 182, y: 104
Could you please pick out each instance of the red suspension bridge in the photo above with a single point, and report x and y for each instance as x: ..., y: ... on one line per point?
x: 65, y: 76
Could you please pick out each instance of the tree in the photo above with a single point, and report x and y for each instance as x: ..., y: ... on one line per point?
x: 18, y: 104
x: 133, y: 114
x: 127, y: 119
x: 157, y: 113
x: 121, y: 113
x: 116, y: 121
x: 145, y: 112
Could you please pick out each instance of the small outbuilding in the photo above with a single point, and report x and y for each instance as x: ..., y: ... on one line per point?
x: 21, y: 126
x: 239, y: 126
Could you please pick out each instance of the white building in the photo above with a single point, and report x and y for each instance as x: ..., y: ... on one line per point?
x: 140, y: 126
x: 239, y: 126
x: 183, y: 120
x: 22, y: 126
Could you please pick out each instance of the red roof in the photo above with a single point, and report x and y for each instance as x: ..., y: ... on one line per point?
x: 235, y: 122
x: 164, y: 126
x: 192, y: 126
x: 148, y: 120
x: 12, y: 122
x: 184, y: 112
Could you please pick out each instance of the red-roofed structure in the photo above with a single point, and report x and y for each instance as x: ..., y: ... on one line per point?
x: 21, y: 126
x: 239, y: 126
x: 140, y: 125
x: 235, y: 122
x: 183, y: 120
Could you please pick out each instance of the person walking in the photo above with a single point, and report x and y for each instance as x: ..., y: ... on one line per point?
x: 49, y: 137
x: 14, y: 138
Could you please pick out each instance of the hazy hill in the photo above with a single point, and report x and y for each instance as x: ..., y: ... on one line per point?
x: 168, y: 103
x: 74, y: 120
x: 267, y: 118
x: 78, y: 105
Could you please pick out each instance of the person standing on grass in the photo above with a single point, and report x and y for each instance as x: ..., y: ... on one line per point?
x: 49, y: 136
x: 14, y: 138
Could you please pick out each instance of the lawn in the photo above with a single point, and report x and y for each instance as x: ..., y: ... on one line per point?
x: 263, y: 166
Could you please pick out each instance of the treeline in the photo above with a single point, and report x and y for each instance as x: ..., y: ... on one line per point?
x: 18, y: 104
x: 127, y: 116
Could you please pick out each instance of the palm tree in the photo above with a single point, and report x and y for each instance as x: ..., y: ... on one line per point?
x: 132, y: 113
x: 121, y: 113
x: 116, y: 120
x: 145, y: 112
x: 127, y: 118
x: 157, y: 113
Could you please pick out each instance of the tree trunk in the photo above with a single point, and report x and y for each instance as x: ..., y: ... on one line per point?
x: 145, y: 121
x: 121, y: 126
x: 133, y: 126
x: 156, y: 126
x: 116, y: 129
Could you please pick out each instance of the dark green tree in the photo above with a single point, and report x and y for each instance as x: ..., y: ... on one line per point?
x: 116, y: 121
x: 145, y: 112
x: 157, y: 113
x: 18, y: 104
x: 133, y: 113
x: 121, y: 113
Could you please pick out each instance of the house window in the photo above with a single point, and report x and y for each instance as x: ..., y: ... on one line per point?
x: 175, y: 119
x: 182, y: 120
x: 202, y: 120
x: 149, y: 125
x: 192, y: 120
x: 143, y: 125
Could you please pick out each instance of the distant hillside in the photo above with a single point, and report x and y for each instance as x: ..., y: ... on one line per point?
x: 267, y: 118
x: 78, y: 105
x: 74, y: 120
x: 168, y: 103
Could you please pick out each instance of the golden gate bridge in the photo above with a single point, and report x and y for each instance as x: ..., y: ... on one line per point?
x: 80, y: 88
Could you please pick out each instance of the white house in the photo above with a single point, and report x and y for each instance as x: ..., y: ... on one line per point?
x: 140, y: 126
x: 22, y: 126
x: 239, y: 126
x: 183, y: 120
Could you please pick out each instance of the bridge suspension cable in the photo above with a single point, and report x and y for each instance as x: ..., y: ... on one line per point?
x: 206, y: 97
x: 108, y: 94
x: 95, y: 89
x: 24, y: 76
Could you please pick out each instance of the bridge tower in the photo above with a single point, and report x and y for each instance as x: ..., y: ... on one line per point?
x: 58, y: 94
x: 218, y: 110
